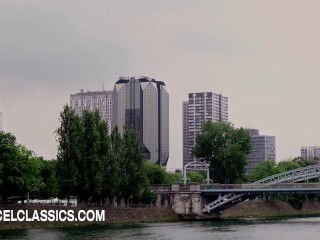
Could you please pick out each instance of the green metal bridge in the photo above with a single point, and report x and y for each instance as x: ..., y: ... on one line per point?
x: 283, y: 183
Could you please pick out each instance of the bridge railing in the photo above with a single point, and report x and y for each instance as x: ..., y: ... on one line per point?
x: 274, y: 182
x: 260, y: 186
x: 293, y: 175
x: 176, y: 187
x: 161, y: 188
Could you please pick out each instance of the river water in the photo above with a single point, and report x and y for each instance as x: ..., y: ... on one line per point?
x: 243, y: 229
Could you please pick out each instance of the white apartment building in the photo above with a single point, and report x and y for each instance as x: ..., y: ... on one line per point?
x: 310, y: 152
x: 98, y: 100
x: 200, y: 107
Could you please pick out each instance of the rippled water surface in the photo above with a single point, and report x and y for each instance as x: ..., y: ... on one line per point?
x: 243, y: 229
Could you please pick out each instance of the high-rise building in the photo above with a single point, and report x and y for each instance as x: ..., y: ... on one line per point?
x: 99, y: 100
x: 310, y: 152
x: 200, y: 107
x: 185, y: 131
x: 1, y: 122
x: 142, y: 103
x: 263, y: 148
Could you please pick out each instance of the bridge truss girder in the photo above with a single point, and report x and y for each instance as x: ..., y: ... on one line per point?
x: 292, y: 176
x: 295, y: 175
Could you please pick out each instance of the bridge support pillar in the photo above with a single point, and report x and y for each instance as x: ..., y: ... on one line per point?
x: 158, y: 202
x: 265, y: 197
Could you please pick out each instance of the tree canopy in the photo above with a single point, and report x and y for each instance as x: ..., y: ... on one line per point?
x: 94, y: 165
x: 20, y: 168
x: 225, y: 148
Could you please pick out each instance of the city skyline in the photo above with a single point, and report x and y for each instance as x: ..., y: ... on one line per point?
x: 267, y: 66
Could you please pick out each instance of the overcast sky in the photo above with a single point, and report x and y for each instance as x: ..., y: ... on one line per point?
x: 262, y: 55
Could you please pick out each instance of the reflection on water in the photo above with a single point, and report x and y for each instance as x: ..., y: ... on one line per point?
x: 242, y: 229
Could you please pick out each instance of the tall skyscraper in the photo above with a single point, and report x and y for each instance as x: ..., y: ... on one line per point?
x: 1, y: 121
x: 142, y: 103
x: 200, y: 107
x: 310, y: 152
x: 263, y: 148
x: 99, y: 100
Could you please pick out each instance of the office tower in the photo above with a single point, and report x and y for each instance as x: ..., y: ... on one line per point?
x: 263, y: 148
x: 310, y: 152
x: 1, y: 122
x: 142, y: 103
x: 200, y: 107
x: 99, y: 100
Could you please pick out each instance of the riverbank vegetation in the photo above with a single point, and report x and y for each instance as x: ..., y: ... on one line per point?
x: 100, y: 166
x: 96, y: 166
x: 225, y: 149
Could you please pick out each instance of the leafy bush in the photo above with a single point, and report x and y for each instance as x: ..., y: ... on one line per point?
x: 297, y: 201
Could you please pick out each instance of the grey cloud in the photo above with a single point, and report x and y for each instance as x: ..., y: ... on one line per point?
x: 46, y: 46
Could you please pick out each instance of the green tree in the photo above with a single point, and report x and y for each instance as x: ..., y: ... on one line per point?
x: 7, y: 142
x: 305, y: 162
x: 49, y: 177
x: 287, y: 166
x: 69, y: 152
x: 195, y: 176
x: 155, y: 173
x: 264, y: 169
x: 7, y: 139
x: 171, y: 177
x: 133, y: 177
x: 91, y: 171
x: 112, y: 172
x: 225, y: 148
x: 110, y: 168
x: 13, y: 166
x: 32, y: 174
x: 148, y: 197
x: 19, y: 168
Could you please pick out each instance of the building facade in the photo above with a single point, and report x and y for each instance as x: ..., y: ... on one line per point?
x: 310, y: 152
x: 1, y: 122
x: 99, y: 100
x: 142, y: 103
x: 263, y: 148
x: 200, y: 107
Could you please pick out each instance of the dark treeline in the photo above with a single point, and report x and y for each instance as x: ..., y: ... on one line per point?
x: 100, y: 168
x: 22, y: 172
x: 92, y: 165
x: 96, y: 166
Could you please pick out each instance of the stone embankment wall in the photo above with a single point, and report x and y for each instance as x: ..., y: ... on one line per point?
x: 187, y: 202
x: 259, y: 208
x: 255, y: 209
x: 112, y: 215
